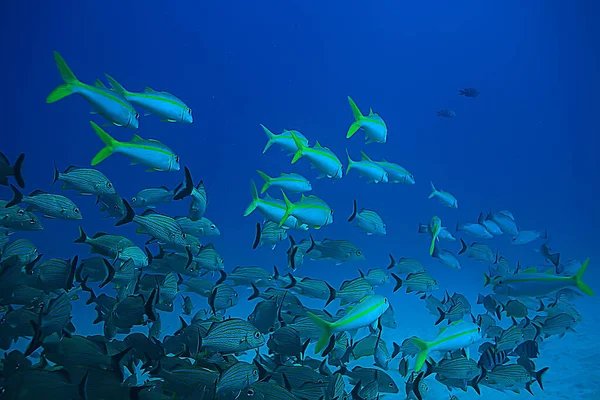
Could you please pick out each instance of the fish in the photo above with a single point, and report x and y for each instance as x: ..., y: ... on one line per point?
x: 458, y: 335
x: 112, y: 106
x: 273, y: 210
x: 444, y: 197
x: 50, y: 205
x: 491, y: 226
x: 322, y: 158
x: 163, y: 104
x: 514, y: 308
x: 396, y: 173
x: 406, y: 265
x: 339, y: 251
x: 366, y: 312
x: 293, y: 183
x: 14, y: 170
x: 510, y: 338
x: 531, y: 283
x: 200, y: 228
x: 368, y: 220
x: 366, y: 167
x: 446, y: 258
x: 232, y: 335
x: 478, y: 251
x: 86, y: 181
x: 236, y: 378
x: 419, y: 282
x: 525, y: 237
x: 469, y: 92
x: 197, y: 193
x: 553, y: 258
x: 376, y: 277
x: 269, y: 234
x: 506, y: 221
x: 446, y: 113
x: 454, y: 368
x: 443, y: 234
x: 474, y: 229
x: 151, y: 197
x: 373, y: 125
x: 311, y: 210
x: 151, y: 153
x: 284, y: 140
x: 512, y: 377
x: 435, y: 226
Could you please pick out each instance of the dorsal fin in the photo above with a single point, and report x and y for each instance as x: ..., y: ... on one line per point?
x: 531, y: 270
x: 99, y: 83
x: 371, y: 111
x: 318, y: 145
x: 99, y: 234
x: 364, y: 157
x: 148, y: 89
x: 37, y: 192
x: 148, y: 212
x: 136, y: 138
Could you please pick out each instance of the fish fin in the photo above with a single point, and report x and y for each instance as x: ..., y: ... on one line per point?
x: 108, y: 141
x: 433, y: 190
x: 67, y: 75
x: 325, y: 328
x: 270, y: 135
x: 254, y: 203
x: 267, y: 180
x: 300, y: 147
x: 116, y: 86
x: 168, y: 120
x: 578, y: 278
x: 353, y: 212
x: 423, y: 353
x: 18, y: 165
x: 288, y: 209
x: 357, y: 117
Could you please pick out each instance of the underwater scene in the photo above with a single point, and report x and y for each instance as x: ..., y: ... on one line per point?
x: 300, y: 200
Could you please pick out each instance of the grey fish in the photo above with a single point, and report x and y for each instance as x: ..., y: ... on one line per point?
x: 388, y: 318
x: 232, y: 336
x: 514, y: 308
x: 446, y: 258
x: 297, y: 252
x: 17, y: 219
x: 511, y: 377
x: 454, y: 368
x: 446, y: 113
x: 113, y: 205
x: 85, y: 180
x: 198, y: 194
x: 339, y: 251
x: 151, y: 197
x: 510, y: 338
x: 368, y: 375
x: 14, y: 170
x: 264, y: 316
x: 368, y: 220
x: 188, y: 305
x: 490, y: 305
x: 406, y: 265
x: 553, y: 258
x: 49, y: 205
x: 222, y: 297
x: 478, y: 251
x: 55, y: 274
x: 376, y: 277
x: 244, y: 276
x: 420, y: 282
x: 286, y: 342
x: 209, y: 259
x: 200, y: 228
x: 474, y: 229
x: 354, y: 291
x: 469, y: 92
x: 506, y: 221
x: 560, y: 324
x: 314, y: 288
x: 491, y: 357
x: 200, y: 286
x: 110, y: 246
x: 270, y: 234
x: 23, y: 250
x: 237, y: 377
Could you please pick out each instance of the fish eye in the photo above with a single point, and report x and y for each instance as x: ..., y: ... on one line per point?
x: 254, y: 372
x: 189, y: 111
x: 183, y: 235
x: 133, y: 199
x: 116, y: 207
x: 212, y: 227
x: 76, y: 210
x: 385, y: 300
x: 137, y: 115
x: 21, y: 212
x: 391, y: 384
x: 358, y: 252
x: 108, y: 185
x: 257, y: 334
x: 176, y: 158
x: 32, y: 221
x: 250, y: 392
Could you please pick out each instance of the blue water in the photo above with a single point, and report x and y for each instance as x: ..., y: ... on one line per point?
x: 527, y: 144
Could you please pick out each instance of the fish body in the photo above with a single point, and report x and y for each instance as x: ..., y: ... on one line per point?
x: 87, y: 181
x: 478, y: 251
x: 339, y: 251
x: 373, y: 125
x: 310, y: 210
x: 284, y: 140
x: 151, y: 197
x: 232, y: 336
x: 458, y: 335
x: 396, y: 173
x: 506, y: 221
x: 269, y: 234
x: 368, y: 220
x: 323, y: 159
x: 533, y: 284
x: 447, y: 258
x: 435, y: 226
x: 294, y: 183
x: 446, y: 198
x: 363, y: 314
x: 474, y: 229
x: 50, y: 205
x: 163, y: 104
x: 419, y: 282
x: 200, y: 228
x: 469, y: 92
x: 150, y: 153
x: 105, y: 102
x: 525, y: 237
x: 366, y: 167
x: 14, y: 170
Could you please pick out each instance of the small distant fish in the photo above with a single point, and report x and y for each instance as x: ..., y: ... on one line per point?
x: 550, y: 257
x: 269, y: 234
x: 163, y: 104
x: 445, y: 198
x: 150, y: 153
x: 446, y: 113
x: 366, y: 167
x: 478, y: 251
x: 14, y: 170
x: 151, y: 197
x: 525, y: 237
x: 435, y: 226
x: 406, y: 265
x: 197, y: 193
x: 85, y: 180
x: 105, y: 102
x: 50, y: 205
x: 420, y: 282
x: 188, y: 305
x: 396, y: 173
x: 368, y: 220
x: 469, y: 92
x: 446, y: 258
x: 474, y: 229
x: 284, y: 140
x: 506, y: 221
x: 310, y: 210
x: 373, y: 125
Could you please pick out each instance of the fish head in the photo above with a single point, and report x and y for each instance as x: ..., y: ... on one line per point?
x: 134, y: 120
x: 338, y: 174
x: 308, y: 186
x: 385, y: 178
x: 213, y: 230
x: 105, y: 187
x: 410, y: 179
x: 186, y: 116
x: 174, y: 163
x: 74, y: 213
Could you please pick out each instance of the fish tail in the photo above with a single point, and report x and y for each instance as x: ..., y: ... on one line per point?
x: 353, y: 212
x: 357, y: 116
x: 350, y: 162
x: 398, y: 281
x: 270, y: 136
x: 289, y: 206
x: 486, y: 279
x: 189, y: 185
x: 423, y: 353
x: 267, y: 180
x: 116, y: 86
x: 432, y: 246
x: 16, y: 170
x: 300, y: 147
x: 109, y: 142
x: 254, y: 203
x: 433, y: 190
x: 17, y: 197
x: 578, y: 278
x: 56, y: 173
x: 325, y: 328
x: 257, y: 237
x: 67, y: 75
x: 130, y: 214
x: 463, y: 247
x: 82, y: 236
x: 538, y: 376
